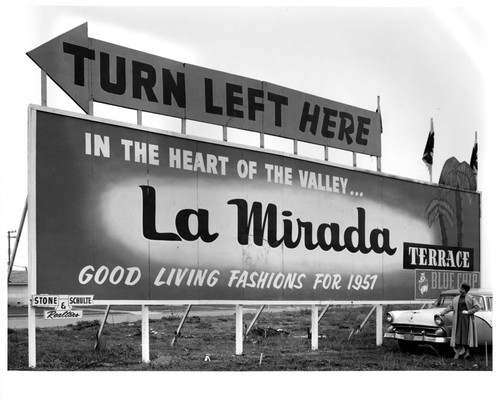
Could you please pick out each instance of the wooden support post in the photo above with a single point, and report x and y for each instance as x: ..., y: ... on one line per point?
x: 178, y: 332
x: 254, y: 320
x: 326, y: 153
x: 183, y: 126
x: 295, y: 147
x: 31, y: 335
x: 44, y: 88
x: 379, y: 164
x: 314, y: 327
x: 262, y: 140
x: 366, y: 319
x: 323, y: 312
x: 360, y: 327
x: 32, y: 255
x: 12, y: 258
x: 379, y: 326
x: 239, y: 329
x: 354, y: 160
x: 99, y: 333
x: 139, y: 117
x: 145, y: 333
x: 224, y: 133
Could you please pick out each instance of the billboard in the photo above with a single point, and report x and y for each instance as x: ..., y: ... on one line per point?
x: 90, y: 69
x: 125, y: 213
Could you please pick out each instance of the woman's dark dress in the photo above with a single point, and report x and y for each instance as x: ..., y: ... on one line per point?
x: 462, y: 336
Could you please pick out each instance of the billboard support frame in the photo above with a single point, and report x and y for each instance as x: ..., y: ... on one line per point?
x: 239, y: 329
x: 146, y: 303
x: 254, y: 320
x: 314, y: 327
x: 31, y: 241
x: 12, y: 257
x: 323, y: 312
x: 378, y: 325
x: 145, y: 333
x: 101, y: 328
x: 178, y: 331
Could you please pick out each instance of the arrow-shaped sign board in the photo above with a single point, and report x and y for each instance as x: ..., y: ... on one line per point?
x: 89, y: 69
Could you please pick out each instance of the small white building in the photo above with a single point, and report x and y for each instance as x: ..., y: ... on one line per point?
x: 18, y: 288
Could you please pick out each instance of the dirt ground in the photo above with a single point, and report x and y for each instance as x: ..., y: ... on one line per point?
x: 278, y: 341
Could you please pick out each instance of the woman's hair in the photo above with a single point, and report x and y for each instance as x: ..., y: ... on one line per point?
x: 465, y: 286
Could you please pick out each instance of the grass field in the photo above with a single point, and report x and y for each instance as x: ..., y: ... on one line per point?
x: 277, y: 342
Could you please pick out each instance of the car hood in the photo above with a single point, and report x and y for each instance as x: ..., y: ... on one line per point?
x: 417, y: 317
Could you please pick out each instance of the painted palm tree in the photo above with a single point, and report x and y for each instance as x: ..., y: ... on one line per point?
x: 440, y: 210
x: 458, y: 175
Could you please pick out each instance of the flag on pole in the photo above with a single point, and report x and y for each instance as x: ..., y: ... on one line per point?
x: 473, y: 157
x: 429, y: 149
x: 379, y: 112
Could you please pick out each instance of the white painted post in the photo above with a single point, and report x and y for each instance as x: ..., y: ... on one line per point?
x: 145, y: 334
x: 31, y: 336
x: 314, y: 327
x: 31, y: 244
x: 379, y: 330
x: 44, y: 88
x: 239, y: 329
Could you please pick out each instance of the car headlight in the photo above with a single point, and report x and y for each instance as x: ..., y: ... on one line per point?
x: 389, y: 318
x: 438, y: 320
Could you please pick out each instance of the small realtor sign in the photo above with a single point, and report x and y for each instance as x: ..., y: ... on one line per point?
x: 56, y: 300
x: 45, y: 300
x: 63, y: 314
x: 63, y: 305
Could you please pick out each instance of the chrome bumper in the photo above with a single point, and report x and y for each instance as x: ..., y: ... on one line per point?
x: 416, y: 337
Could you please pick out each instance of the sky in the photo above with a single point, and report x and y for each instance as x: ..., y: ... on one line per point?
x: 422, y: 62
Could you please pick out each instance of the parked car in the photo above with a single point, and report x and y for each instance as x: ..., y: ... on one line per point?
x: 423, y: 326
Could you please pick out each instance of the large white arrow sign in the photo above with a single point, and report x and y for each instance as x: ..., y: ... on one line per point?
x: 89, y: 69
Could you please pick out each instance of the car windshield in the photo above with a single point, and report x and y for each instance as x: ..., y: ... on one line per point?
x: 489, y: 301
x: 480, y: 301
x: 445, y: 300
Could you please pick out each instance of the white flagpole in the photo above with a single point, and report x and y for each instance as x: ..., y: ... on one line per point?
x: 379, y: 159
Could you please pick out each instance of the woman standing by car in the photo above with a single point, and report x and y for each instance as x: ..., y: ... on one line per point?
x: 463, y: 330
